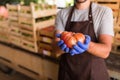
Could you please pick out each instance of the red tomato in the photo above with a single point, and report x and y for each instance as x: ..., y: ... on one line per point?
x: 65, y: 34
x: 70, y: 41
x: 79, y: 37
x: 71, y: 38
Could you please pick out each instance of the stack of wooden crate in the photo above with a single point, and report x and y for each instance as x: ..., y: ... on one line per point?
x: 32, y: 18
x: 24, y: 21
x: 47, y: 43
x: 13, y: 11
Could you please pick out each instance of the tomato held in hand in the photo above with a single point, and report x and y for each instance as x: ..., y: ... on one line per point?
x: 70, y: 41
x: 80, y: 37
x: 65, y: 34
x: 71, y: 38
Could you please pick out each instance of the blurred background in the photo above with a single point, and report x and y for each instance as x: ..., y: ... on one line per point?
x: 27, y: 47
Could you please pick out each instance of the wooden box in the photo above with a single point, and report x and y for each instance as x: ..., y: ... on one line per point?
x: 4, y: 31
x: 15, y: 30
x: 37, y: 16
x: 29, y: 45
x: 13, y: 11
x: 46, y: 42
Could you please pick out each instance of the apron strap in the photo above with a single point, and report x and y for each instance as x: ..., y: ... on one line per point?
x: 90, y: 13
x: 69, y: 18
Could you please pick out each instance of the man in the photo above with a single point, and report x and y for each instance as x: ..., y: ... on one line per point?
x: 85, y: 61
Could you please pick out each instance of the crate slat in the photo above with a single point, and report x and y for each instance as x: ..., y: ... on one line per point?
x: 44, y: 13
x: 45, y: 24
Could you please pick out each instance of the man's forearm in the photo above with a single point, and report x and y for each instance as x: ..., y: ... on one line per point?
x: 99, y: 49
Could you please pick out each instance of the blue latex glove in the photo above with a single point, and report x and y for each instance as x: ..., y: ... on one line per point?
x: 62, y: 45
x: 79, y: 48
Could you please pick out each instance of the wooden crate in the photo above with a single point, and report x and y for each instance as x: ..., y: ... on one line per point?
x: 4, y: 25
x: 31, y: 24
x: 23, y: 62
x: 28, y: 35
x: 29, y: 40
x: 15, y: 34
x: 23, y: 59
x: 55, y: 52
x: 15, y: 40
x: 13, y: 11
x: 50, y: 50
x: 4, y: 31
x: 32, y: 17
x: 29, y: 45
x: 46, y: 42
x: 37, y: 10
x: 47, y: 33
x: 15, y: 30
x: 114, y: 5
x: 37, y: 65
x: 29, y: 64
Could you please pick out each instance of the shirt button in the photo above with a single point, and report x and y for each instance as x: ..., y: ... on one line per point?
x: 90, y: 16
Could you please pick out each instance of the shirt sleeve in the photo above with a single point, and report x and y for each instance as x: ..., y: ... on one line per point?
x: 59, y: 22
x: 106, y: 25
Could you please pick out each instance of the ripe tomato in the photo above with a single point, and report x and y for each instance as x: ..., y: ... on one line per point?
x: 70, y: 41
x: 79, y: 37
x: 71, y: 38
x: 65, y: 34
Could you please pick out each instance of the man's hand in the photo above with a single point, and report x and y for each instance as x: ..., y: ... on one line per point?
x: 62, y: 45
x: 79, y: 48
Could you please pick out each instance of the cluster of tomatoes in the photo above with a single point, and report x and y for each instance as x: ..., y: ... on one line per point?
x: 71, y: 38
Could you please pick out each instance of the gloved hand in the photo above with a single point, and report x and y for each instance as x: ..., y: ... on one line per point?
x: 62, y: 45
x: 79, y: 48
